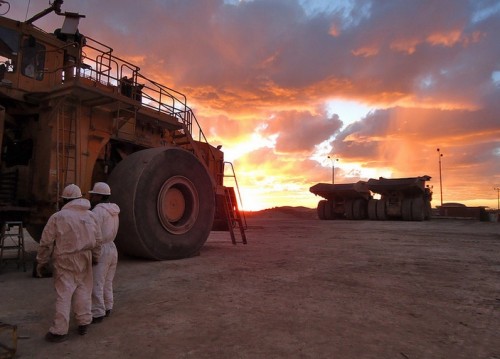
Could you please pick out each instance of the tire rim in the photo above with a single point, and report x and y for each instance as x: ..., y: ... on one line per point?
x: 178, y: 205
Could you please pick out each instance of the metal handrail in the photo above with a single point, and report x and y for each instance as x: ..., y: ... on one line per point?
x: 155, y: 93
x: 237, y: 187
x: 107, y: 69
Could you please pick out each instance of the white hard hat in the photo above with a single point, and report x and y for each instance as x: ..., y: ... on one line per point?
x: 101, y: 188
x: 71, y: 191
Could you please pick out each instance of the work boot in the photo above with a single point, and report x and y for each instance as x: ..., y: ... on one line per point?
x: 108, y: 312
x: 82, y: 329
x: 96, y: 320
x: 55, y: 338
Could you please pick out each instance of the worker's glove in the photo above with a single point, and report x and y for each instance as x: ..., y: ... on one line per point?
x: 40, y: 269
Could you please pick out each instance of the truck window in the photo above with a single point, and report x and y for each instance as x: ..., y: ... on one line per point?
x: 9, y: 47
x: 33, y: 60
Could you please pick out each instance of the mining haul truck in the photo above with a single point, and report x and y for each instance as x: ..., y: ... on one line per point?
x: 73, y: 112
x: 405, y: 198
x: 408, y: 199
x: 345, y: 200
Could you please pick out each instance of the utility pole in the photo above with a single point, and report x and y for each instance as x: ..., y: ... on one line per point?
x: 440, y: 177
x: 333, y: 168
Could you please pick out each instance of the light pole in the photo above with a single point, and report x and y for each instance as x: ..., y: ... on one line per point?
x: 498, y: 197
x: 440, y: 178
x: 333, y: 168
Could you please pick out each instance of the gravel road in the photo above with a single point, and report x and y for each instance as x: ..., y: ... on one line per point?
x: 300, y: 288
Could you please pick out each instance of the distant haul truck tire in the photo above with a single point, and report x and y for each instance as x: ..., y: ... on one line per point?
x: 359, y: 209
x: 381, y: 210
x: 167, y: 203
x: 417, y: 209
x: 406, y: 205
x: 326, y: 210
x: 412, y: 209
x: 321, y: 209
x: 330, y: 210
x: 372, y: 209
x: 349, y: 204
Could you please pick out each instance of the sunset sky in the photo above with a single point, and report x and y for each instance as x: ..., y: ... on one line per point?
x: 283, y: 84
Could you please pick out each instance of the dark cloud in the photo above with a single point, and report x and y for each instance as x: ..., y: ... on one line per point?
x: 301, y: 131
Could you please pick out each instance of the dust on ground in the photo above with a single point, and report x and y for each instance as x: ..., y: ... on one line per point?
x: 300, y: 288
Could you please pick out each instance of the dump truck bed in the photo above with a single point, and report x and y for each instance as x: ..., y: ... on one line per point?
x: 342, y: 190
x: 382, y: 185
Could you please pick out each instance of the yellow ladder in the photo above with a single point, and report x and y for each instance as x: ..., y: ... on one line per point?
x: 233, y: 215
x: 12, y: 238
x: 67, y: 145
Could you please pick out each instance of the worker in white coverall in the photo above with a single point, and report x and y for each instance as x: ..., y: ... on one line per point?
x: 104, y: 271
x: 72, y: 239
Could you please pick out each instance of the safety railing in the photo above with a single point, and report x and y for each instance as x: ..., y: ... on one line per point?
x: 98, y: 63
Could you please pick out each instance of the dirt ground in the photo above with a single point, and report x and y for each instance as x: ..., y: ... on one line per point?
x: 300, y: 288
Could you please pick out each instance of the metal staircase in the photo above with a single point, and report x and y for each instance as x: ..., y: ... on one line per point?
x: 233, y: 215
x: 66, y: 145
x: 235, y: 218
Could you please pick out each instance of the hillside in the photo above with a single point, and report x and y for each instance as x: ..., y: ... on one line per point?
x: 284, y: 212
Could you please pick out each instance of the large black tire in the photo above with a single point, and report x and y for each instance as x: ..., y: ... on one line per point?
x: 329, y: 210
x: 167, y: 202
x: 372, y: 209
x: 334, y: 207
x: 349, y: 204
x: 417, y: 209
x: 381, y: 210
x: 406, y: 205
x: 321, y: 209
x: 359, y: 209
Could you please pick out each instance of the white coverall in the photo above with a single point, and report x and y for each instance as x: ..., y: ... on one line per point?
x: 104, y: 271
x: 72, y: 237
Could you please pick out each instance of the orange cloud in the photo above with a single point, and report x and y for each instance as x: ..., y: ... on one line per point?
x: 365, y: 51
x: 408, y: 46
x: 448, y: 39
